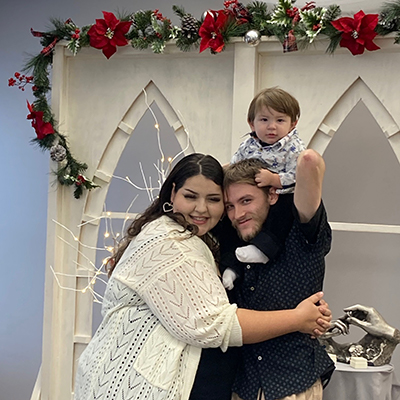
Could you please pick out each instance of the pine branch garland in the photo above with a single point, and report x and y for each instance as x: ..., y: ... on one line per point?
x: 280, y: 15
x: 312, y: 22
x: 389, y: 19
x: 261, y: 18
x: 187, y: 36
x: 71, y: 172
x: 179, y: 11
x: 332, y: 12
x: 150, y: 29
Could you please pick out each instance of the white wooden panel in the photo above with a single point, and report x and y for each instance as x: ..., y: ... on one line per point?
x: 99, y: 102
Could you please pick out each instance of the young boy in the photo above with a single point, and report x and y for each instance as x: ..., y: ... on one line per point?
x: 272, y: 116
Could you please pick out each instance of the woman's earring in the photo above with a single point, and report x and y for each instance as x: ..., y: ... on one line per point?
x: 167, y: 207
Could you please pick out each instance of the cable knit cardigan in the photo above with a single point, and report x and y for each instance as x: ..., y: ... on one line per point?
x: 163, y: 303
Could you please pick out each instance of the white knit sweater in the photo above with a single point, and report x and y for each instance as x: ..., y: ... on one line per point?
x: 163, y: 303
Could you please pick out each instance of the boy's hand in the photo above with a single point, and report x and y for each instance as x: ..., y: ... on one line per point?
x: 267, y: 178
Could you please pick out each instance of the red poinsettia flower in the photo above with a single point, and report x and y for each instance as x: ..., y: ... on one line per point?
x: 108, y: 33
x: 358, y: 32
x: 210, y: 32
x: 42, y: 128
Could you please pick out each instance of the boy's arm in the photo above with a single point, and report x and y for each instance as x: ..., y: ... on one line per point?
x: 284, y: 176
x: 310, y: 174
x: 268, y: 178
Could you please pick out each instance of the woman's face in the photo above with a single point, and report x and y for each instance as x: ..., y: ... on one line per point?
x: 200, y: 200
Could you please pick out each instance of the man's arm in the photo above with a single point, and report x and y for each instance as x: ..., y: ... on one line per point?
x: 309, y: 176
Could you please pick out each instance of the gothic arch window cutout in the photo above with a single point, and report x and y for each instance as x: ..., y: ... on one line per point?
x: 151, y: 93
x: 93, y: 208
x: 357, y: 91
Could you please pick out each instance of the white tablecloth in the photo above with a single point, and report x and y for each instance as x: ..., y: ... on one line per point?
x: 371, y: 383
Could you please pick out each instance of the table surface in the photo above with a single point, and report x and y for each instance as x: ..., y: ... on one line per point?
x: 346, y: 367
x: 371, y: 383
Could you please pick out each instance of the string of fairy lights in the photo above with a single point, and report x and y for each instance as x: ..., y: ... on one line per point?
x: 90, y: 271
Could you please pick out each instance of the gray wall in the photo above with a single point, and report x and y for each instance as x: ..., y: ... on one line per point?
x: 360, y: 269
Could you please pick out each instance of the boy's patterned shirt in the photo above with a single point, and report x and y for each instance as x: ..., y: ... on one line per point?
x: 281, y: 157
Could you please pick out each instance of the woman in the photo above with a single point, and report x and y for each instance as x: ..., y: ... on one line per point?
x: 164, y: 302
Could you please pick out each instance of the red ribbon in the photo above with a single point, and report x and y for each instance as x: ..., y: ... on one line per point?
x: 48, y: 49
x: 290, y: 43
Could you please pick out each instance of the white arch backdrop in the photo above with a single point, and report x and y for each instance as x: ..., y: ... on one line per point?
x: 209, y: 98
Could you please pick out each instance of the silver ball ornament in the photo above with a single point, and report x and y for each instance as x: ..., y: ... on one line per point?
x: 253, y: 37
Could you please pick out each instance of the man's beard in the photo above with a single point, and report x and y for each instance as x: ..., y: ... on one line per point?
x: 248, y: 236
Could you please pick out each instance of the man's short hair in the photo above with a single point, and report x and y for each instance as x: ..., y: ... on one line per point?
x: 244, y: 171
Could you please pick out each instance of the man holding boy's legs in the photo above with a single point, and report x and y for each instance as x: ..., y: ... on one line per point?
x: 294, y: 364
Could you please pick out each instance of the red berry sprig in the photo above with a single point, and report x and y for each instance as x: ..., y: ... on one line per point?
x: 159, y: 16
x: 21, y: 81
x: 76, y: 35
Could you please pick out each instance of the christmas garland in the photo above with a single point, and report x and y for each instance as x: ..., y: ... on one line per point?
x: 295, y: 28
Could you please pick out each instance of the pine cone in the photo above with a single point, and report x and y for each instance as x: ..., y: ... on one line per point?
x: 190, y: 26
x: 332, y: 13
x: 58, y: 153
x: 386, y: 23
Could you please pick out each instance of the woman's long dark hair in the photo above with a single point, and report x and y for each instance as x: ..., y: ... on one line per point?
x: 189, y: 166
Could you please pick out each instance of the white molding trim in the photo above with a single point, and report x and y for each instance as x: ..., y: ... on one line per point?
x: 369, y: 228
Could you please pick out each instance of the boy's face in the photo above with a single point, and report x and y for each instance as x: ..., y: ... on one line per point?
x: 270, y: 125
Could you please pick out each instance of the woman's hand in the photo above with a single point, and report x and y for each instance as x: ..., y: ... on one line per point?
x: 314, y: 315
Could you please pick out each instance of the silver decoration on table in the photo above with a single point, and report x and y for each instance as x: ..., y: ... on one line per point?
x: 376, y: 346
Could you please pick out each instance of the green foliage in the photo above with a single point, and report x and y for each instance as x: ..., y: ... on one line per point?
x: 187, y: 44
x: 149, y: 31
x: 84, y: 40
x: 152, y: 30
x: 389, y: 19
x: 332, y: 12
x: 334, y: 36
x: 234, y: 30
x: 179, y: 11
x: 38, y: 67
x: 280, y: 14
x: 73, y: 46
x: 260, y: 18
x: 158, y: 46
x: 45, y: 143
x: 186, y: 38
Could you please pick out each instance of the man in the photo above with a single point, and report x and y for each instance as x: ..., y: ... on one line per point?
x: 293, y: 366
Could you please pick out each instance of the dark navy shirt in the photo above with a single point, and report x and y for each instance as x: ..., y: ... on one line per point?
x: 291, y: 363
